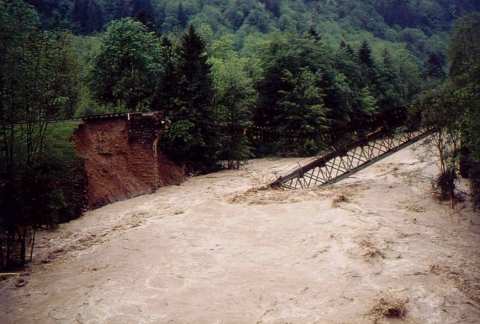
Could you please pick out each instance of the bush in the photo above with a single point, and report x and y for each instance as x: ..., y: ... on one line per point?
x: 47, y: 191
x: 465, y: 162
x: 446, y: 184
x: 475, y: 184
x: 311, y: 147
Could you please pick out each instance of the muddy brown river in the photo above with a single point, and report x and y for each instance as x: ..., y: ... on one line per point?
x: 219, y: 249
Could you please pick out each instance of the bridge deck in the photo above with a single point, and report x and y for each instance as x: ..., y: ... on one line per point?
x: 336, y: 165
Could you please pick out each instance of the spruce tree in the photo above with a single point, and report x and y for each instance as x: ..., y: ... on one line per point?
x: 314, y: 34
x: 166, y: 91
x: 365, y: 55
x: 302, y: 113
x: 193, y: 135
x: 143, y: 11
x: 434, y: 67
x: 369, y: 70
x: 350, y: 50
x: 388, y: 85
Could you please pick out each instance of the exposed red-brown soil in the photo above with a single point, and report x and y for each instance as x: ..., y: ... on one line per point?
x: 122, y: 162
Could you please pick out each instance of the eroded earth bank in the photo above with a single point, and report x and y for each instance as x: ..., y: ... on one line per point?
x: 213, y: 250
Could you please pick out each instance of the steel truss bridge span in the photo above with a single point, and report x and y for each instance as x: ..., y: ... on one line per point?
x: 336, y: 164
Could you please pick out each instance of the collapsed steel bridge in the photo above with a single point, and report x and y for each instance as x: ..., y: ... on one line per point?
x: 338, y: 164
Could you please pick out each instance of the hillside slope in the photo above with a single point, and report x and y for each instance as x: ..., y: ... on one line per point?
x: 421, y: 24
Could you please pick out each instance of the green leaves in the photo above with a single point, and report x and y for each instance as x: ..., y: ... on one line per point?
x: 38, y: 82
x: 368, y: 102
x: 193, y: 139
x: 128, y: 66
x: 464, y: 55
x: 235, y: 99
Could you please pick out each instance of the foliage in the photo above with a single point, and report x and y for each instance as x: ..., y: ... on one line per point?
x: 441, y: 109
x: 302, y: 114
x: 420, y: 25
x: 193, y: 135
x: 452, y: 108
x: 353, y: 88
x: 166, y: 89
x: 127, y: 66
x: 464, y: 55
x: 38, y: 82
x: 475, y: 184
x: 235, y: 99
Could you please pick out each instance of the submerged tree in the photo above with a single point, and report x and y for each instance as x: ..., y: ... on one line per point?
x: 464, y: 56
x: 452, y: 107
x: 442, y: 111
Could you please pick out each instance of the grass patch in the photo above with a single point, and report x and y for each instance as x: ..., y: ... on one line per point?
x: 59, y: 140
x: 68, y: 173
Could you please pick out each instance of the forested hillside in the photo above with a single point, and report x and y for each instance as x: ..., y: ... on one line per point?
x: 421, y: 24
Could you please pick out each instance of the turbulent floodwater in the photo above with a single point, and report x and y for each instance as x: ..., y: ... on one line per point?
x: 218, y: 249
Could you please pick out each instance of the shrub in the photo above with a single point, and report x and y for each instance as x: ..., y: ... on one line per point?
x: 445, y: 183
x: 475, y: 184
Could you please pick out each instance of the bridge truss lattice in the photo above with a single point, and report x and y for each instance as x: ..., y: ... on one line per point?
x: 336, y: 165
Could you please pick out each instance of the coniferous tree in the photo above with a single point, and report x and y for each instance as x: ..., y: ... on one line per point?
x: 314, y: 34
x: 365, y: 55
x: 348, y: 79
x: 193, y: 137
x: 388, y: 87
x: 350, y: 50
x: 434, y: 67
x: 166, y: 91
x: 143, y: 11
x: 370, y: 76
x: 367, y: 65
x: 302, y: 113
x: 369, y: 103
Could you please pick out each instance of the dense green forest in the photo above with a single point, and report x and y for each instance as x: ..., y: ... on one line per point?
x: 305, y: 74
x: 383, y: 18
x: 414, y: 33
x: 421, y: 26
